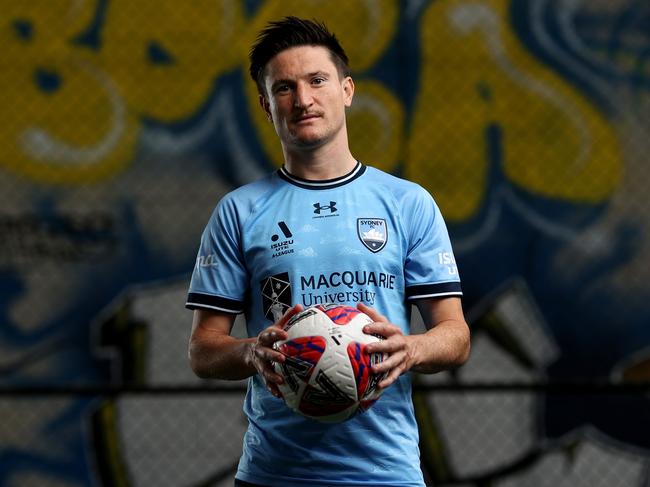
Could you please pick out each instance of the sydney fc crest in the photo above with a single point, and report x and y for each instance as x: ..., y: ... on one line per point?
x: 373, y: 233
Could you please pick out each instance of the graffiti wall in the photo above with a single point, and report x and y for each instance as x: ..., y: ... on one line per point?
x: 123, y: 123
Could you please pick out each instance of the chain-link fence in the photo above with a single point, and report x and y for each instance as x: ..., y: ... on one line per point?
x: 123, y: 123
x: 470, y: 436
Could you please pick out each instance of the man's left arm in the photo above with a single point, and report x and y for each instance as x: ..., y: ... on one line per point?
x: 444, y: 346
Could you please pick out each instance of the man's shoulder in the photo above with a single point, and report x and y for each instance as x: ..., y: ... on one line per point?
x: 248, y: 194
x: 399, y: 187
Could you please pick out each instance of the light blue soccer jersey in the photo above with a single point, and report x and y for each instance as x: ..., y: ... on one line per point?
x: 365, y: 237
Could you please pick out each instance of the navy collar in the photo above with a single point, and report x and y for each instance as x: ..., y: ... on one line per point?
x: 356, y: 172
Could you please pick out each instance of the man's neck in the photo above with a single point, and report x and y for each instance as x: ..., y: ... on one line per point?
x: 319, y: 164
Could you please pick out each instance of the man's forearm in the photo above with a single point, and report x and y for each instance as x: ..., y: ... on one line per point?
x: 445, y: 346
x: 224, y: 357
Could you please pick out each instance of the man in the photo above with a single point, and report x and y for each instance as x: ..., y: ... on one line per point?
x: 323, y: 227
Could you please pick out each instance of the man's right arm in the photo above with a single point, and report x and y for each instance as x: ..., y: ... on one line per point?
x: 213, y: 353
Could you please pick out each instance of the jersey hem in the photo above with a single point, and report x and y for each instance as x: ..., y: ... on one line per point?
x: 284, y: 482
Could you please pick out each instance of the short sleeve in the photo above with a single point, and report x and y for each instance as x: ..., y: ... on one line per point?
x: 430, y: 268
x: 219, y: 279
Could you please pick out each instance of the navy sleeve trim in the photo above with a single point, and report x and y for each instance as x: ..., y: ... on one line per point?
x: 437, y: 290
x: 208, y: 301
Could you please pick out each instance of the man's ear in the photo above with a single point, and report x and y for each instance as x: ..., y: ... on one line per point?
x: 264, y: 103
x: 348, y: 91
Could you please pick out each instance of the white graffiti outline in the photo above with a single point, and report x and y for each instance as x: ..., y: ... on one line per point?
x: 221, y: 114
x: 566, y: 24
x: 567, y: 13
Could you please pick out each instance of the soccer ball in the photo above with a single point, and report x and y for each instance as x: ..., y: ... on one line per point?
x: 326, y: 373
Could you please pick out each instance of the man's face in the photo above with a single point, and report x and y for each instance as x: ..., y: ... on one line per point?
x: 305, y: 97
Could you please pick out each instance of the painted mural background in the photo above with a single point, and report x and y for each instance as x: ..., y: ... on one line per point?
x: 122, y: 124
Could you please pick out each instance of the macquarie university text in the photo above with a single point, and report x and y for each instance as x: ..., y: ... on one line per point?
x: 358, y: 285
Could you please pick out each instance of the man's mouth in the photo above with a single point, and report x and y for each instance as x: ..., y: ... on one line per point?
x: 307, y: 116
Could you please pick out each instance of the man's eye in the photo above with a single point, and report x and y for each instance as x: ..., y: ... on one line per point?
x: 318, y: 81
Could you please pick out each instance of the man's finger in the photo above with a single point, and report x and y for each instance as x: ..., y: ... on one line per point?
x: 383, y: 329
x: 271, y: 335
x: 392, y: 377
x: 288, y: 315
x: 373, y: 313
x: 389, y: 363
x: 272, y: 377
x: 269, y: 354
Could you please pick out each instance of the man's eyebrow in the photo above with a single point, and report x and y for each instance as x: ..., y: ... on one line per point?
x: 324, y: 74
x: 281, y: 82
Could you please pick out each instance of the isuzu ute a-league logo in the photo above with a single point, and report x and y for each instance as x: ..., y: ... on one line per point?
x: 373, y: 233
x: 282, y: 246
x: 276, y: 295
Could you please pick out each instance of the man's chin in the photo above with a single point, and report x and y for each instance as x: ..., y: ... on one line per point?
x: 308, y: 142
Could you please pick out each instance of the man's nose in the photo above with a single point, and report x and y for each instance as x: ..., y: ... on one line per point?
x: 303, y: 96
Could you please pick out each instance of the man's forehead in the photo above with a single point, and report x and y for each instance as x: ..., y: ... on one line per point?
x: 300, y: 60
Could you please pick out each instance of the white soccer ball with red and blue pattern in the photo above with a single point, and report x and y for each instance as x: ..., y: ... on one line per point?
x: 326, y: 373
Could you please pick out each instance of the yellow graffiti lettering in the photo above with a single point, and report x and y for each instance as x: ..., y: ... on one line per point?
x: 30, y: 28
x: 63, y: 118
x: 166, y: 68
x: 64, y: 122
x: 475, y: 75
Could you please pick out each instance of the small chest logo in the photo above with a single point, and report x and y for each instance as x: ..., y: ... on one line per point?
x: 373, y: 233
x: 331, y: 207
x: 325, y: 210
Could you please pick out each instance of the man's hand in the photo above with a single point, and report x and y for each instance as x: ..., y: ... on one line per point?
x: 395, y: 344
x: 263, y: 354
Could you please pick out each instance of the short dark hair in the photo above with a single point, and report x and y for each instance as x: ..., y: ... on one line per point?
x: 292, y: 32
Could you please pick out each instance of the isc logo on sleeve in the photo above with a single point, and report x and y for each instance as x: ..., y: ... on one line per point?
x: 447, y: 259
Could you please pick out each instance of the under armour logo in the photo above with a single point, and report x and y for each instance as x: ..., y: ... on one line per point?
x: 331, y: 207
